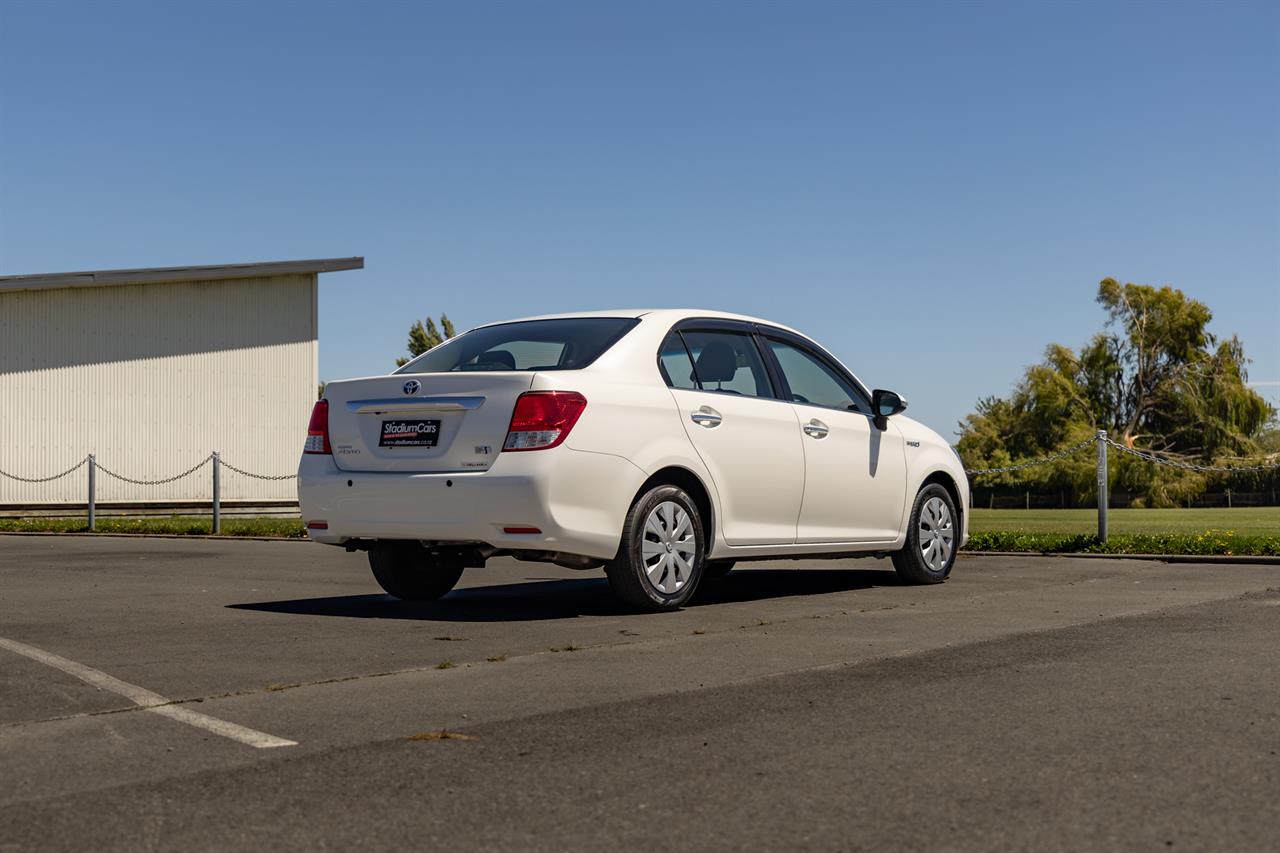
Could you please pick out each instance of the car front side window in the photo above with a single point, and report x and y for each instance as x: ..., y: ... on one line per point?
x: 815, y: 383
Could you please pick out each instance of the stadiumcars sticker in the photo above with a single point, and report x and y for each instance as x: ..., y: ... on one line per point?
x: 409, y: 433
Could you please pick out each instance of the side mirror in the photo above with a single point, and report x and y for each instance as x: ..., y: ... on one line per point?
x: 886, y: 404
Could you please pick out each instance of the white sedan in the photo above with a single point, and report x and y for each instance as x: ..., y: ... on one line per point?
x: 664, y: 446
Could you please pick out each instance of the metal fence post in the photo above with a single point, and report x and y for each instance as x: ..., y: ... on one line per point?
x: 217, y: 493
x: 1102, y: 485
x: 93, y: 508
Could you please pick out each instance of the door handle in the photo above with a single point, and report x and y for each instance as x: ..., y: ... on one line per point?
x: 816, y: 429
x: 706, y: 417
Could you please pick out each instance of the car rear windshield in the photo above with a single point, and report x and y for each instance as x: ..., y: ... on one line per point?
x: 566, y: 344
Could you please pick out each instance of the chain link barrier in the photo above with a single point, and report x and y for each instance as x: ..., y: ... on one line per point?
x: 187, y: 473
x: 21, y: 479
x: 225, y: 464
x: 1188, y: 466
x: 214, y: 459
x: 140, y: 482
x: 1031, y: 463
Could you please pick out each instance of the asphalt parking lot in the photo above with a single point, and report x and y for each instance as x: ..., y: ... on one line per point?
x: 198, y: 694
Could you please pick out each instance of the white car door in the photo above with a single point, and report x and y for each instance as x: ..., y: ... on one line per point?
x: 749, y: 441
x: 855, y: 473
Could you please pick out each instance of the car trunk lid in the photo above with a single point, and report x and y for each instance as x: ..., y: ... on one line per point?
x: 423, y: 422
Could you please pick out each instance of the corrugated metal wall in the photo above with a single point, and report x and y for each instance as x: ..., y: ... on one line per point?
x: 151, y: 378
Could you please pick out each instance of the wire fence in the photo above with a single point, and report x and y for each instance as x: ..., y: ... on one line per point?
x: 214, y: 460
x: 1100, y: 440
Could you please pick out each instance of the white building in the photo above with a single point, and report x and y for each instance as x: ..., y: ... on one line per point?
x: 151, y: 370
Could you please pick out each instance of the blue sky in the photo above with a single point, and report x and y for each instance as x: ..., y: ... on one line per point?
x: 932, y: 190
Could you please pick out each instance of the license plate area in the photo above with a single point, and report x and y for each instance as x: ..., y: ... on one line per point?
x: 409, y: 432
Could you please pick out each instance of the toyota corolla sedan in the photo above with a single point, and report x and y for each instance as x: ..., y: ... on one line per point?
x: 662, y: 446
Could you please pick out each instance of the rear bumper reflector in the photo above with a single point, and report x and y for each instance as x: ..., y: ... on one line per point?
x: 317, y: 525
x: 520, y: 530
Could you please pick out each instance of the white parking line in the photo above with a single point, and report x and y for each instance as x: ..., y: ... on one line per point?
x: 153, y: 702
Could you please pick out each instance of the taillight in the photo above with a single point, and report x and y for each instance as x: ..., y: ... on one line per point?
x: 318, y: 429
x: 542, y: 419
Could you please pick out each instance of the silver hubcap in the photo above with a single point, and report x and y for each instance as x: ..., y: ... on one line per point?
x: 669, y: 550
x: 936, y: 534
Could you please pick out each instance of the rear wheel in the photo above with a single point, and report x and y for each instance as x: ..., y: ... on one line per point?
x: 410, y: 572
x: 932, y: 537
x: 659, y: 563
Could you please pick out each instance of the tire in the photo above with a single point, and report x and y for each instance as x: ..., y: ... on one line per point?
x: 409, y: 572
x: 932, y: 538
x: 659, y: 561
x: 717, y: 568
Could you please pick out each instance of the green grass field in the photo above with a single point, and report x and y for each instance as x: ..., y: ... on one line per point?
x: 1229, y: 532
x: 1246, y: 521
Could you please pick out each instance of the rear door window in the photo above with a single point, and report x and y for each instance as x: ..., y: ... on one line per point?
x: 727, y: 362
x: 567, y: 344
x: 677, y: 366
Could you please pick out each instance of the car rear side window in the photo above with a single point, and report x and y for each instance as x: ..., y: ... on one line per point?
x: 728, y: 362
x: 677, y: 366
x: 566, y: 344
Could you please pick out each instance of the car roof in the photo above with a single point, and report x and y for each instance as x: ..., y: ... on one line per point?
x: 671, y: 315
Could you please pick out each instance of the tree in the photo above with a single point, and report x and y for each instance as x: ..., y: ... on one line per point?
x: 423, y: 338
x: 1154, y: 378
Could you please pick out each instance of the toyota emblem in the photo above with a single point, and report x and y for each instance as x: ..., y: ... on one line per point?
x: 412, y: 386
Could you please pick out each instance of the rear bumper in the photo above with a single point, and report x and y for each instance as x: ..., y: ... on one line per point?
x: 578, y: 500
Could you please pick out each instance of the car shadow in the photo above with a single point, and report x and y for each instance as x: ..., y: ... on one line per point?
x: 567, y: 598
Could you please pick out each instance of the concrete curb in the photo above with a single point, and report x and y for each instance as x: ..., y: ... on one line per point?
x: 1226, y: 559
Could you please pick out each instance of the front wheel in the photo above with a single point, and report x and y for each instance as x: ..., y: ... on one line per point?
x: 930, y: 549
x: 659, y: 561
x: 410, y: 572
